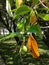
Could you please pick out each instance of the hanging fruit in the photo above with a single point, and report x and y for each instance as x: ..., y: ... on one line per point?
x: 33, y: 47
x: 33, y: 19
x: 19, y: 3
x: 23, y: 49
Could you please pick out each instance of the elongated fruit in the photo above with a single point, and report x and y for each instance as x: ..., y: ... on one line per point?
x: 33, y: 47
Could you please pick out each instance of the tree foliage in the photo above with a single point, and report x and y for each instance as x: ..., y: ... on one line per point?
x: 24, y: 17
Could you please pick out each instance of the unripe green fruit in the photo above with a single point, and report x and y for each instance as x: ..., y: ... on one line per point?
x: 23, y: 49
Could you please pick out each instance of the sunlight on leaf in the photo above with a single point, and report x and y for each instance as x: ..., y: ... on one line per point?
x: 43, y: 16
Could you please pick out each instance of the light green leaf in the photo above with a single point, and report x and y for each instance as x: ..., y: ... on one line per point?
x: 11, y: 35
x: 16, y: 1
x: 43, y: 16
x: 20, y: 25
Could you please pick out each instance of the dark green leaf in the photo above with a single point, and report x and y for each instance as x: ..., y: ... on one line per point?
x: 39, y: 31
x: 35, y: 29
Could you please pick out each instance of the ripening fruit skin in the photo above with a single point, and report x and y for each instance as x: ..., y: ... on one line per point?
x: 23, y: 49
x: 33, y: 19
x: 35, y: 52
x: 33, y: 47
x: 29, y: 43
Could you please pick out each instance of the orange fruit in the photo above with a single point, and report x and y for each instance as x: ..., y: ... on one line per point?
x: 33, y: 47
x: 29, y: 43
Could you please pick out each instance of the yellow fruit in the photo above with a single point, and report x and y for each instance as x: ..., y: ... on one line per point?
x: 33, y: 19
x: 20, y: 2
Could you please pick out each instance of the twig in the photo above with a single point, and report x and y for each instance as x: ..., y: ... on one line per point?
x: 44, y: 27
x: 40, y: 2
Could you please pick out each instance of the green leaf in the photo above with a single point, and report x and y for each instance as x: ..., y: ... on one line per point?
x: 43, y: 16
x: 47, y: 9
x: 39, y: 33
x: 36, y: 2
x: 16, y: 1
x: 32, y: 29
x: 20, y: 25
x: 35, y: 29
x: 21, y: 11
x: 11, y: 35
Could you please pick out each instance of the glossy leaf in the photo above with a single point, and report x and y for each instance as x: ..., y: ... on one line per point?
x: 21, y: 11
